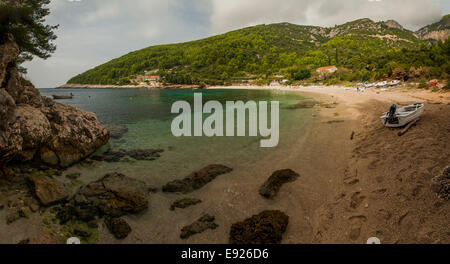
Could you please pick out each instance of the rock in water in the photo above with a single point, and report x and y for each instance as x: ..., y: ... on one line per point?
x: 202, y: 224
x: 272, y: 186
x: 117, y: 131
x: 196, y: 180
x: 118, y: 227
x: 441, y: 184
x: 184, y: 203
x: 47, y: 190
x: 114, y: 195
x: 33, y: 127
x: 267, y: 227
x: 138, y: 154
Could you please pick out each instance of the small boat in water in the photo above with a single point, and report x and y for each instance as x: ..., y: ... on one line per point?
x: 63, y: 96
x: 402, y: 116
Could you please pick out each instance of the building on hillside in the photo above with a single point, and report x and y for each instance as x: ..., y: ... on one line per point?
x: 328, y: 69
x: 152, y: 78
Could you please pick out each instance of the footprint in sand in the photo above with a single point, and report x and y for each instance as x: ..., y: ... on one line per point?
x: 356, y: 223
x: 380, y: 191
x: 351, y: 181
x: 356, y: 200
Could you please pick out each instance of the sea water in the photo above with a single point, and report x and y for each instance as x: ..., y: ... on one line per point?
x: 147, y: 115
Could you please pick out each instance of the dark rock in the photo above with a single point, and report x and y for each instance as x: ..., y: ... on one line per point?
x: 24, y: 242
x: 202, y: 224
x: 47, y: 190
x: 92, y: 224
x: 117, y: 131
x: 441, y: 184
x: 114, y: 195
x: 196, y: 180
x: 73, y: 176
x: 272, y: 186
x: 118, y: 227
x: 152, y: 190
x: 184, y: 203
x: 303, y: 105
x: 267, y: 227
x: 82, y: 233
x: 140, y: 154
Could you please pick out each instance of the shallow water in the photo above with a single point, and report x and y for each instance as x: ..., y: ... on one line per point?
x: 146, y: 113
x: 231, y: 197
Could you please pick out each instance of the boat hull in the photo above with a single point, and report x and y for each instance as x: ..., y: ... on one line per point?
x: 56, y: 97
x: 404, y: 117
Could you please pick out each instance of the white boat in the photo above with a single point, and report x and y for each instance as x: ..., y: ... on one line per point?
x: 394, y: 83
x: 402, y: 116
x: 381, y: 84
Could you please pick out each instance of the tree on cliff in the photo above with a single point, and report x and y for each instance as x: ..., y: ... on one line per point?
x: 25, y: 19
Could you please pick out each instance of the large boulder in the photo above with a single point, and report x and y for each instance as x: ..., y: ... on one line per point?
x: 272, y: 186
x: 114, y: 195
x: 196, y: 180
x: 267, y: 227
x: 33, y: 127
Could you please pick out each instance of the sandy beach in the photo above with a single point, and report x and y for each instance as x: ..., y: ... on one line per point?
x: 374, y: 185
x: 379, y: 184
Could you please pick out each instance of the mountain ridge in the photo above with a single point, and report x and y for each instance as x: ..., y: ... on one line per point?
x: 263, y: 50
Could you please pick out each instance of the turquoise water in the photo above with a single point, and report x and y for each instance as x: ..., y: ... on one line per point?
x: 146, y: 113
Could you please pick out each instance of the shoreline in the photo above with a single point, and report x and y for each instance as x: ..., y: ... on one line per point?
x: 348, y: 190
x: 382, y: 183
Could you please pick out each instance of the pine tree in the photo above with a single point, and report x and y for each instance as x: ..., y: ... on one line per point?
x: 25, y: 19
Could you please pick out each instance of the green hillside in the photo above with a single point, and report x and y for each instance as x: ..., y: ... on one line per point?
x: 363, y: 50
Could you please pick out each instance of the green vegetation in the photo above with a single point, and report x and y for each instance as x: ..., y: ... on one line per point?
x: 362, y: 50
x: 24, y: 20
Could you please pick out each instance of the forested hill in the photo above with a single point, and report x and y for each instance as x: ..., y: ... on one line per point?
x: 363, y: 49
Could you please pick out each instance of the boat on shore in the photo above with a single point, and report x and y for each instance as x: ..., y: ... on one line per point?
x: 62, y: 96
x: 402, y: 116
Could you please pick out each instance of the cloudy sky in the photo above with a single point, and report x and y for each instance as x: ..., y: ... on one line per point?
x: 93, y: 32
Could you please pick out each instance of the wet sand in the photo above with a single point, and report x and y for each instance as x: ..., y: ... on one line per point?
x: 377, y: 184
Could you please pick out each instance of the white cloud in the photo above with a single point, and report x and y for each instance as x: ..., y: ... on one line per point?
x: 94, y: 31
x: 232, y: 14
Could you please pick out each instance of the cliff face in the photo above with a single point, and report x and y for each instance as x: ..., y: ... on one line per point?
x: 33, y: 127
x: 437, y: 31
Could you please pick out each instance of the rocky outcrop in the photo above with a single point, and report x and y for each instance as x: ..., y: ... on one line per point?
x: 117, y: 131
x: 114, y: 195
x: 33, y: 127
x: 202, y: 224
x: 272, y: 186
x: 47, y: 190
x: 267, y: 227
x: 437, y: 31
x: 393, y: 24
x: 441, y: 184
x: 196, y: 180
